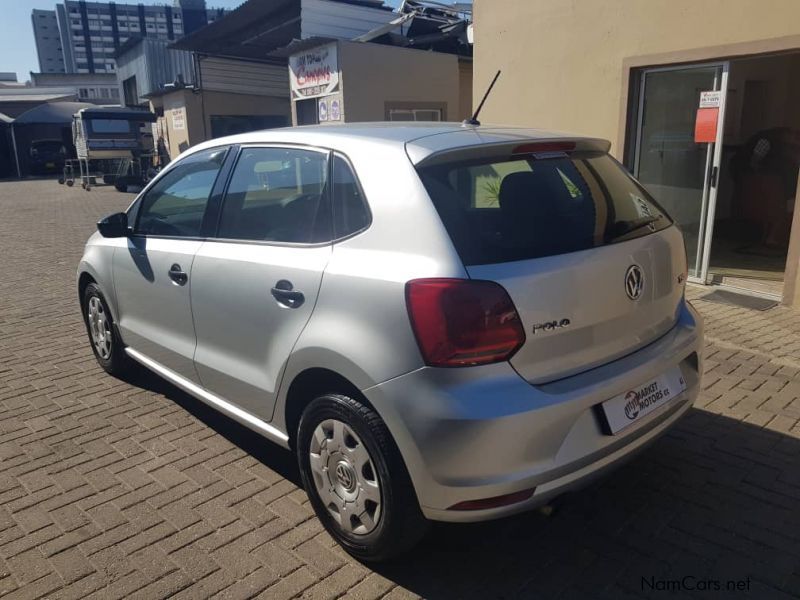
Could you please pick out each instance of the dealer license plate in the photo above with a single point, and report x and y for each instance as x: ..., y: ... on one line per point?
x: 629, y: 407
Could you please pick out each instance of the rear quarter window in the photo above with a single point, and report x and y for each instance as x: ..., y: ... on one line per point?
x: 527, y: 207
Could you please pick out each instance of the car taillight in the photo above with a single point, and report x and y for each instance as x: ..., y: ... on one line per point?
x: 461, y: 322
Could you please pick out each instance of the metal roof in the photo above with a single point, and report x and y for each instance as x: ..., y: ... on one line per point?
x: 259, y: 27
x: 253, y: 30
x: 301, y: 45
x: 117, y: 113
x: 52, y: 113
x: 40, y: 97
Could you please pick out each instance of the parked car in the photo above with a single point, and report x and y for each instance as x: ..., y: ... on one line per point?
x: 443, y: 322
x: 47, y: 156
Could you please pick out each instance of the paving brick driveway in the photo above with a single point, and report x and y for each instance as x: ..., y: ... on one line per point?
x: 112, y: 489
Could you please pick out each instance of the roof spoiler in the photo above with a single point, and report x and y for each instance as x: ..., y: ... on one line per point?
x: 519, y: 147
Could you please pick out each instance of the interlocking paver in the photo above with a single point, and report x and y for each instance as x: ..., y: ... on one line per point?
x: 112, y: 489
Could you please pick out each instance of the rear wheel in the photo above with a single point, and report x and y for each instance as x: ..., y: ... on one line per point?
x: 103, y: 336
x: 356, y: 479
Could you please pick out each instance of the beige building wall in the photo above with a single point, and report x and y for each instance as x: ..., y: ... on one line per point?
x: 374, y: 76
x: 566, y: 63
x: 195, y: 111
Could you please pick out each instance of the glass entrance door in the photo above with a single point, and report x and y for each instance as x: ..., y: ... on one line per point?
x: 680, y: 173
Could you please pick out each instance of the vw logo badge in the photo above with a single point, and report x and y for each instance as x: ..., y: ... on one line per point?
x: 634, y: 282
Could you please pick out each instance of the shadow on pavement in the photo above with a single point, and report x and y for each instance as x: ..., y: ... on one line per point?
x: 715, y: 503
x: 272, y: 456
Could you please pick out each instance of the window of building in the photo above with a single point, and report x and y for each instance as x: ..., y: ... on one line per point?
x: 278, y: 195
x: 414, y: 114
x: 176, y: 204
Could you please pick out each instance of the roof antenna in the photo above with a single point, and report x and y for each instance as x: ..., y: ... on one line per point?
x: 474, y: 120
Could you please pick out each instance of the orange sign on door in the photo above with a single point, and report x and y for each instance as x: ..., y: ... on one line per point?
x: 705, y: 126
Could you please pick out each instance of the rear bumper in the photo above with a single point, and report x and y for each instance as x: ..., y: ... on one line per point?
x: 477, y: 433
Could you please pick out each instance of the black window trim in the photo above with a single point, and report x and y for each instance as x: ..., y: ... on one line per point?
x: 364, y: 200
x: 211, y: 218
x: 216, y: 191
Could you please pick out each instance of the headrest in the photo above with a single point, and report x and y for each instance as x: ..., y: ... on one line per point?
x: 528, y: 194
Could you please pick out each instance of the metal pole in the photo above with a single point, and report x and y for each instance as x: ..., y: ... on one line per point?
x: 16, y: 153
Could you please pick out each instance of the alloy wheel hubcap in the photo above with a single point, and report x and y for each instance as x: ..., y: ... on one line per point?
x: 345, y: 477
x: 99, y: 327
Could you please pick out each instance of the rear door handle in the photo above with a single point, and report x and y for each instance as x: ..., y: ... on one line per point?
x: 177, y: 274
x: 286, y: 295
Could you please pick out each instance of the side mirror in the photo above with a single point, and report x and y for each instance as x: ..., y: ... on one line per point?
x: 114, y: 226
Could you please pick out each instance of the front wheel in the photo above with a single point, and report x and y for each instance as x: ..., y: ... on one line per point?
x: 106, y: 343
x: 356, y: 479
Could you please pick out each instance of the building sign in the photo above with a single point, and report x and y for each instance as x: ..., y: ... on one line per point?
x: 314, y: 73
x: 178, y: 118
x: 710, y: 99
x: 336, y: 110
x: 705, y: 126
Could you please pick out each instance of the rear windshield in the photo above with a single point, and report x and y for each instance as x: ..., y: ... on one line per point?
x: 533, y: 206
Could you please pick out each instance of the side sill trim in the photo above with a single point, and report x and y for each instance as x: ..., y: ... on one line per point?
x: 234, y: 412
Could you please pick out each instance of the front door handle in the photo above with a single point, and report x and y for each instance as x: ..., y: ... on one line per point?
x: 177, y: 274
x: 286, y: 295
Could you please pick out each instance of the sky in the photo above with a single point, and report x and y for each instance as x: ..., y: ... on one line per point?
x: 17, y: 48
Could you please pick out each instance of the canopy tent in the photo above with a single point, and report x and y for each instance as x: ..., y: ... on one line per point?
x: 51, y: 113
x: 51, y: 120
x: 6, y: 160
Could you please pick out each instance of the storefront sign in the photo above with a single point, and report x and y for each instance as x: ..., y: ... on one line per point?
x: 336, y: 110
x: 705, y: 126
x: 710, y: 99
x: 178, y: 118
x: 323, y: 110
x: 314, y: 73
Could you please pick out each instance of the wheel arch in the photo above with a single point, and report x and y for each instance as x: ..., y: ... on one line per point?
x: 310, y: 384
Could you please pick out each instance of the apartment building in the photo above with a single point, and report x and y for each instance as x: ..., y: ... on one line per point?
x: 90, y: 33
x: 48, y: 41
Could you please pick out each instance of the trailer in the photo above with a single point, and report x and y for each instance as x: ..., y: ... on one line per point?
x: 108, y: 137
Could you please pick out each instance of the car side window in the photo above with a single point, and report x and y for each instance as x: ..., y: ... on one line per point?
x: 350, y: 213
x: 176, y: 203
x: 278, y: 195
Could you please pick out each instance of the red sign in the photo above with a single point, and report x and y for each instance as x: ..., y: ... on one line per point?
x: 705, y: 127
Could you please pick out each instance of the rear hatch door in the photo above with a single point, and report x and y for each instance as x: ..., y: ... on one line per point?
x: 593, y: 265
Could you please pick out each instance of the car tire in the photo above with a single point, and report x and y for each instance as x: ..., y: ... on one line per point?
x: 104, y: 338
x: 356, y: 479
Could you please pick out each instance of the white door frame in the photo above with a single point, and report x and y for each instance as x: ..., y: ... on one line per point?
x: 713, y: 160
x: 716, y: 169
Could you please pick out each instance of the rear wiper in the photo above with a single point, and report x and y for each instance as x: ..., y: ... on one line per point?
x: 622, y: 228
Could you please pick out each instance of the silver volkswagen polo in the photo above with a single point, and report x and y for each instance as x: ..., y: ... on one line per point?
x: 443, y: 322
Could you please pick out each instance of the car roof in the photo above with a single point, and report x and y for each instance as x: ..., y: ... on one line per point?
x: 420, y: 139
